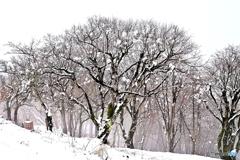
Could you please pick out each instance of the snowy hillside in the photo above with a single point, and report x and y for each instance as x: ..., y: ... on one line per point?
x: 19, y: 143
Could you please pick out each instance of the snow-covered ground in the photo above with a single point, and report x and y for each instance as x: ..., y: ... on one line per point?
x: 19, y: 143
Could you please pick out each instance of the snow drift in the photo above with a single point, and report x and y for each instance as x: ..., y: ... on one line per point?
x: 20, y: 143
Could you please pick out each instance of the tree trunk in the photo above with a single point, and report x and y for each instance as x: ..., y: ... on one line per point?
x: 193, y: 118
x: 129, y: 141
x: 80, y: 128
x: 8, y: 110
x: 64, y: 123
x: 16, y: 114
x: 96, y: 132
x: 226, y: 140
x: 194, y: 146
x: 106, y: 129
x: 171, y: 129
x: 70, y: 126
x: 103, y: 135
x: 91, y: 130
x: 170, y: 141
x: 114, y: 137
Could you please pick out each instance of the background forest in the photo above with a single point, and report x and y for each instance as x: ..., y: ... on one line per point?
x: 136, y: 84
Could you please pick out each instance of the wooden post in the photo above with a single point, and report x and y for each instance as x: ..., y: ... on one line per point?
x: 29, y: 125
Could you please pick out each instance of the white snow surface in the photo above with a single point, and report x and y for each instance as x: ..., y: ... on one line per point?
x: 20, y: 143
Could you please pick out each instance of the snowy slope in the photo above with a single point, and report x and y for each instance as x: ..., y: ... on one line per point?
x: 19, y: 143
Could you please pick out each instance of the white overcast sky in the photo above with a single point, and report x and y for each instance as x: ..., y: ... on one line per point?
x: 213, y: 23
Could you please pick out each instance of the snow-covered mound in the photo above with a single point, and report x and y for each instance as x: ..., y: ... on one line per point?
x: 20, y: 143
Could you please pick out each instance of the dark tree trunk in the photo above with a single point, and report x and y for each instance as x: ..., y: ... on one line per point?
x: 104, y: 134
x: 48, y: 121
x: 107, y: 129
x: 16, y: 114
x: 9, y: 113
x: 129, y: 141
x: 8, y: 110
x: 226, y: 140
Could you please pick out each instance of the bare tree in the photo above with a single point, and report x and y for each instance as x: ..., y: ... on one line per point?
x: 171, y: 107
x: 14, y: 88
x: 121, y: 55
x: 194, y: 110
x: 223, y: 73
x: 31, y: 66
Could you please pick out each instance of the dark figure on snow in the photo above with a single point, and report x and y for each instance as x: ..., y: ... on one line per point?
x: 49, y: 122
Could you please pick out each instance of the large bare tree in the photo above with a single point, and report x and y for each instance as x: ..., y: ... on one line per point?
x: 223, y: 76
x: 120, y: 56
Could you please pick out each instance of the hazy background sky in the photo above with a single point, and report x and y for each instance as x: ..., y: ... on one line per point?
x: 213, y: 24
